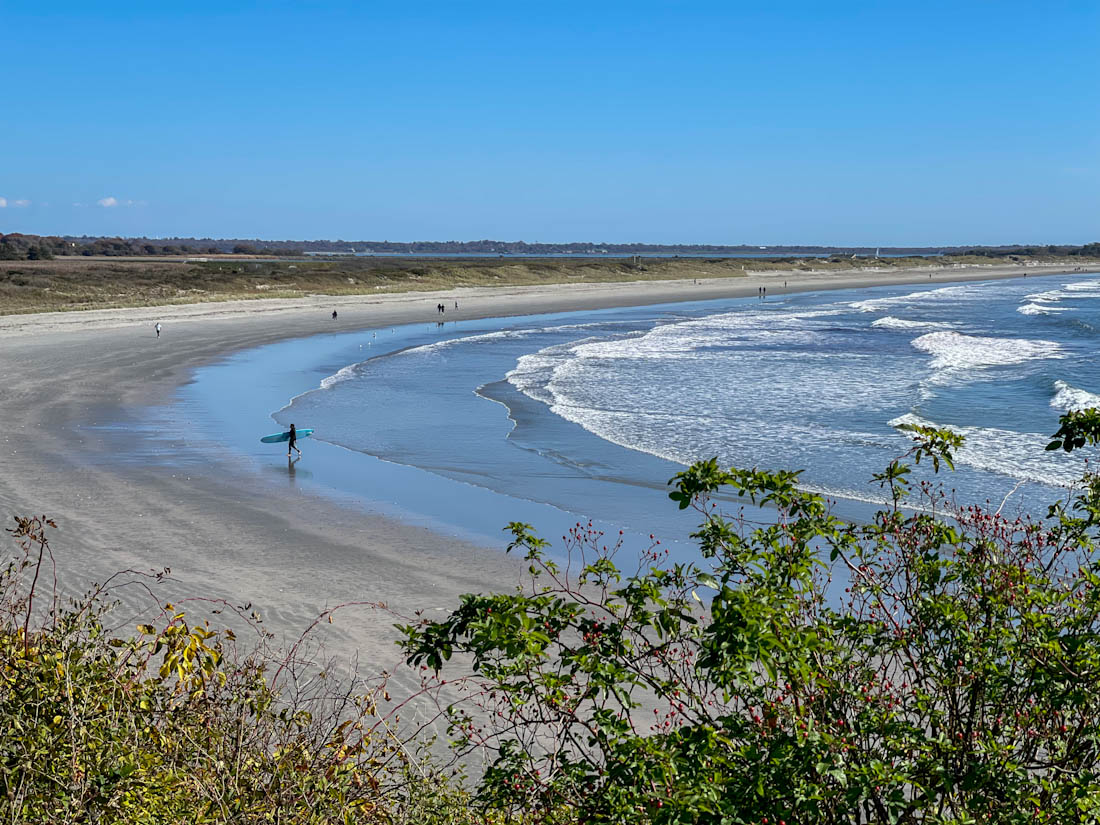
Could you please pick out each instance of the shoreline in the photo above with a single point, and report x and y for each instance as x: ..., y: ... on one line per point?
x: 557, y: 297
x: 70, y: 374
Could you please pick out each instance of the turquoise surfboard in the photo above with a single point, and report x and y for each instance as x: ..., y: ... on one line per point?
x: 277, y: 437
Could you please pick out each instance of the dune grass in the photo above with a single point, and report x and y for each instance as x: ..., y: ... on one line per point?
x: 82, y: 283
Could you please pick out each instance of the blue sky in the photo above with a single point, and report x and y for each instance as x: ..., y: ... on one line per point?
x: 729, y: 122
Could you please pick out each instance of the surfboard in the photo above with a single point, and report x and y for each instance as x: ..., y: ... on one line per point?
x: 277, y: 437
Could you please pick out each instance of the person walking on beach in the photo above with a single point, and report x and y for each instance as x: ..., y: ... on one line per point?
x: 334, y: 315
x: 292, y: 442
x: 156, y: 326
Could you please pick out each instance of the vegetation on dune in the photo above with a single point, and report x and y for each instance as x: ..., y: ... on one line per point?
x: 75, y: 283
x: 935, y: 665
x: 79, y: 284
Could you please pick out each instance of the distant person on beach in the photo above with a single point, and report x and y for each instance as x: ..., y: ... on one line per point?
x: 156, y: 326
x: 292, y: 442
x: 334, y: 315
x: 456, y: 304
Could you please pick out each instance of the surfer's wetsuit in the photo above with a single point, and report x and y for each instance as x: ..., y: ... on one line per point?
x: 292, y: 443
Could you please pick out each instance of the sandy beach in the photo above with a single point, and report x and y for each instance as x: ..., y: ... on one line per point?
x: 291, y: 555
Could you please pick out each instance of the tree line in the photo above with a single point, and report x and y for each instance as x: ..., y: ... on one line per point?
x: 18, y: 246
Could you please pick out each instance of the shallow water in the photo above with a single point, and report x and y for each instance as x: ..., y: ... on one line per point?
x: 558, y: 418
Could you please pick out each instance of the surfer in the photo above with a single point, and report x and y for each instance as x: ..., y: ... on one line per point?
x: 292, y: 442
x: 334, y: 315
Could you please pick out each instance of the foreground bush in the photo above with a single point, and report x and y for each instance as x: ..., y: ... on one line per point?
x: 175, y: 725
x: 937, y: 665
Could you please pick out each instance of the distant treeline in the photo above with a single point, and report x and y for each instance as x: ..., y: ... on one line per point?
x: 1089, y: 250
x: 16, y: 246
x: 19, y: 247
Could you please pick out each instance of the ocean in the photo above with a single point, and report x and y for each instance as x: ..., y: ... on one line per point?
x: 556, y: 419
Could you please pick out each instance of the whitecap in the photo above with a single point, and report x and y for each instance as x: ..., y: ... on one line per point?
x: 955, y: 353
x: 1039, y: 309
x: 1068, y: 397
x: 344, y: 374
x: 1078, y: 289
x: 1021, y: 456
x: 439, y: 346
x: 1049, y: 297
x: 890, y: 322
x: 879, y: 304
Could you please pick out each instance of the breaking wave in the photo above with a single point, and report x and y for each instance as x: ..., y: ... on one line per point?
x: 1068, y: 397
x: 1021, y: 456
x: 947, y: 292
x: 890, y: 322
x: 955, y: 354
x: 1039, y: 309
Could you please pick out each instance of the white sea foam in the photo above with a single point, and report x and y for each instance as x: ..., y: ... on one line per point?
x: 534, y: 372
x: 495, y: 336
x: 1068, y: 397
x: 1021, y: 456
x: 1039, y: 309
x: 911, y: 420
x: 890, y: 322
x: 1049, y: 296
x: 947, y: 292
x: 685, y: 339
x: 735, y: 397
x: 1077, y: 289
x: 439, y: 346
x: 955, y: 353
x: 344, y: 374
x: 352, y: 370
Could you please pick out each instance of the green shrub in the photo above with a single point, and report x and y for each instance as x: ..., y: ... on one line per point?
x: 174, y: 725
x: 936, y: 665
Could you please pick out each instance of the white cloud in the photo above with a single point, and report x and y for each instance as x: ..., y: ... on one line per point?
x: 21, y: 203
x: 109, y: 202
x: 3, y: 202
